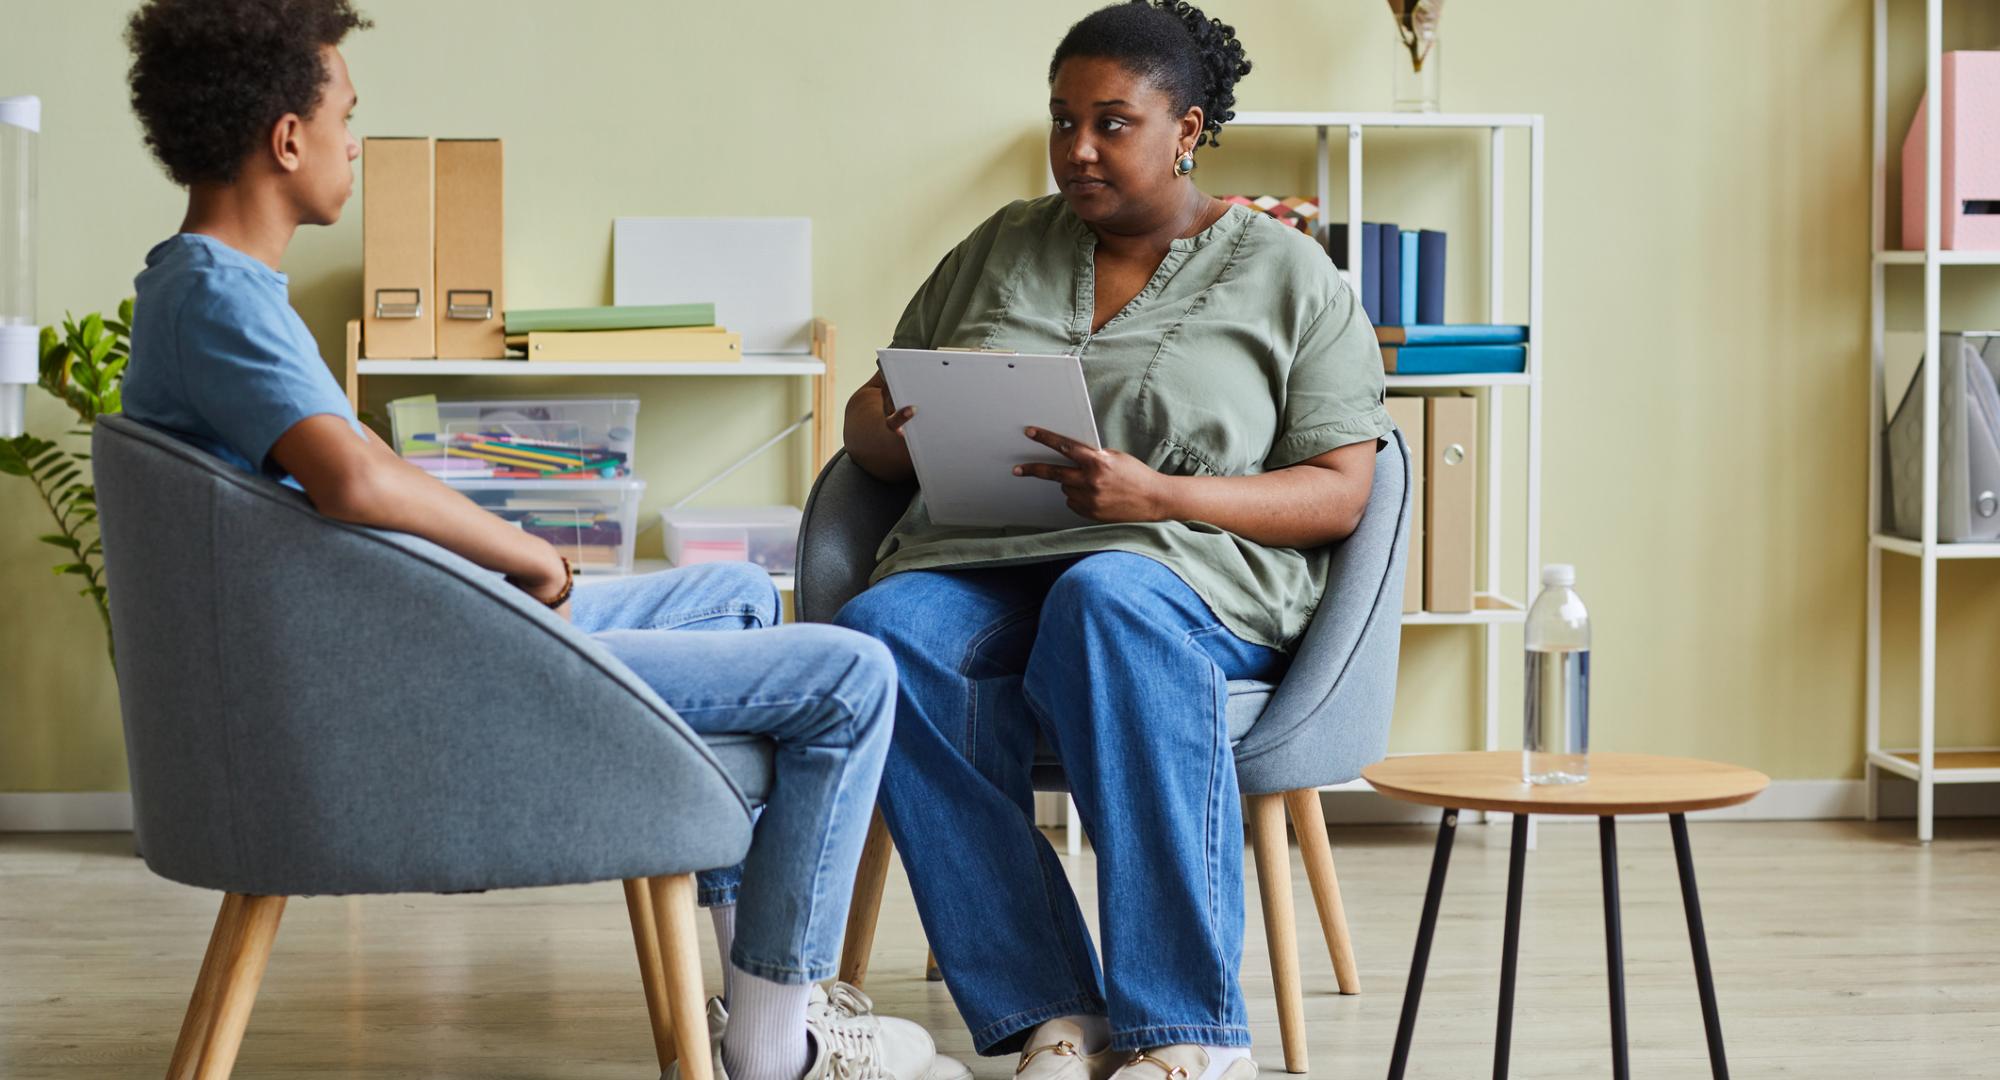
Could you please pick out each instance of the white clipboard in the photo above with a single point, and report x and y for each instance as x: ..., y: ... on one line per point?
x: 969, y: 431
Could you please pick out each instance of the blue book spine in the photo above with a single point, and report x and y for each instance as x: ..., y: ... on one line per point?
x: 1430, y: 277
x: 1371, y: 272
x: 1409, y: 264
x: 1389, y: 249
x: 1463, y: 334
x: 1461, y: 359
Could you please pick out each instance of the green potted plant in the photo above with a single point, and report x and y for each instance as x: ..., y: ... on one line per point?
x: 84, y: 367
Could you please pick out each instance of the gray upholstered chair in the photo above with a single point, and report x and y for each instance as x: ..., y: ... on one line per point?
x: 313, y: 708
x: 1327, y: 719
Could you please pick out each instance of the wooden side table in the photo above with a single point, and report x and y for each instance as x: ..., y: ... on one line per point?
x: 1618, y: 784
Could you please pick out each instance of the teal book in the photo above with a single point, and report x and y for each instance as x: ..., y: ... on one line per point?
x: 1409, y: 268
x: 1451, y: 334
x: 650, y: 317
x: 1455, y: 359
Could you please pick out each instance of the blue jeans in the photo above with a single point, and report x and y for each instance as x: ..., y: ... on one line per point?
x: 1124, y: 671
x: 826, y: 698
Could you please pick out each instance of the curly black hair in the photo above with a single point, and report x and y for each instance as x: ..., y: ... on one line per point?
x: 210, y: 77
x: 1171, y: 43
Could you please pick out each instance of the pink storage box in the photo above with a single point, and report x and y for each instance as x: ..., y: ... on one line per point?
x: 1969, y: 186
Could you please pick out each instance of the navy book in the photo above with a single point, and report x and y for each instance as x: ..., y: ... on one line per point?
x: 1388, y: 251
x: 1430, y: 277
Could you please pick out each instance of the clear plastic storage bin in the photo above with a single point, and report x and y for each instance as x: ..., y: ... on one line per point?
x: 592, y: 521
x: 765, y: 535
x: 529, y: 439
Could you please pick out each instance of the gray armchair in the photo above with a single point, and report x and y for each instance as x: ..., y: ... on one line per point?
x: 1320, y: 725
x: 316, y: 708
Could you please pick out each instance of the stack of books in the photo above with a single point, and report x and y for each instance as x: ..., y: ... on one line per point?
x: 1453, y: 349
x: 660, y: 333
x: 1402, y: 272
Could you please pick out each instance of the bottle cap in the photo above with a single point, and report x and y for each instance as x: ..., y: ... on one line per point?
x: 1562, y: 574
x: 22, y: 112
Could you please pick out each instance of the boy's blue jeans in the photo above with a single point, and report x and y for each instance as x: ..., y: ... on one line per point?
x: 826, y: 698
x: 1124, y: 670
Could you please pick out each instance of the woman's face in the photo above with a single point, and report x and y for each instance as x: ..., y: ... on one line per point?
x: 1113, y: 141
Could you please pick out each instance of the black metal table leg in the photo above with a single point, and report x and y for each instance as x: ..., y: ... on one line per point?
x: 1510, y: 951
x: 1614, y: 946
x: 1426, y: 927
x: 1711, y: 1017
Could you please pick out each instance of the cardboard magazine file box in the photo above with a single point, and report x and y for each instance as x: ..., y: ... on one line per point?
x: 398, y: 312
x: 1451, y: 495
x: 1408, y: 413
x: 469, y: 289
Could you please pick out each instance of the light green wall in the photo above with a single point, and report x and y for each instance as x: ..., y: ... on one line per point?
x: 1707, y: 186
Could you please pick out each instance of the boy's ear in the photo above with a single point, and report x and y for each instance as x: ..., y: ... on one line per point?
x: 287, y: 142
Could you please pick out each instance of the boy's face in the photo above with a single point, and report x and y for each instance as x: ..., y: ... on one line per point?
x: 325, y: 176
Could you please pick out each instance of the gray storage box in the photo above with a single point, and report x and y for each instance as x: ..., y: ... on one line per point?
x: 1968, y: 444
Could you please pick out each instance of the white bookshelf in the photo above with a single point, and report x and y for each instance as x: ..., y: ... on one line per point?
x: 1492, y: 609
x: 750, y: 365
x: 1926, y: 763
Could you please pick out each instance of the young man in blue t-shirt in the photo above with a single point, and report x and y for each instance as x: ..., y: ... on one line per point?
x: 246, y: 104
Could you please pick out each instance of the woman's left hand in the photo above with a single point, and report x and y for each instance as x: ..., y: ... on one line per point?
x: 1103, y: 485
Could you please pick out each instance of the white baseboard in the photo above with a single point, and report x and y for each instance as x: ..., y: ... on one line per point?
x: 65, y: 811
x: 1785, y: 800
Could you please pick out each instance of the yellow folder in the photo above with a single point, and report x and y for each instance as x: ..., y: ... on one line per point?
x: 704, y: 345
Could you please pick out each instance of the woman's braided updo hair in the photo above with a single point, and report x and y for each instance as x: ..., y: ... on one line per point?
x: 1171, y: 43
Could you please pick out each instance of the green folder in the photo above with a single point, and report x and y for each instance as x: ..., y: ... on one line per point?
x: 611, y: 318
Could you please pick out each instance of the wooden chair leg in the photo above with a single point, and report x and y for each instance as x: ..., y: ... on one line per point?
x: 201, y: 1004
x: 1274, y: 885
x: 652, y: 971
x: 680, y: 959
x: 224, y: 993
x: 1309, y: 822
x: 869, y: 879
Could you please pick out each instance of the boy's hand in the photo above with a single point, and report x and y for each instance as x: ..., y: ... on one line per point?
x: 547, y: 582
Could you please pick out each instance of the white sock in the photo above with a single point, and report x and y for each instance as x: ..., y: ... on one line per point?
x: 724, y: 918
x: 766, y: 1037
x: 1219, y: 1058
x: 1091, y: 1033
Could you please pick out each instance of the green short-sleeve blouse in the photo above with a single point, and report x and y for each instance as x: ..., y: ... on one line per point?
x: 1245, y: 352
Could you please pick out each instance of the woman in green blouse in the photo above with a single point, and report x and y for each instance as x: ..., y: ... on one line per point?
x: 1238, y: 393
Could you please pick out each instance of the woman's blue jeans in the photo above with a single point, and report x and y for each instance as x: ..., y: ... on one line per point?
x: 1124, y: 671
x: 824, y: 696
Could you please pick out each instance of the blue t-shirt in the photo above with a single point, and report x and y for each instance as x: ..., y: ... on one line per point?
x: 219, y: 358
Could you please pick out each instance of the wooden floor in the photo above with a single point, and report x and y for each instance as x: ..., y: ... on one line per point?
x: 1841, y: 950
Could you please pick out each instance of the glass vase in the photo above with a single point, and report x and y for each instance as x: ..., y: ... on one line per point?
x: 1416, y: 64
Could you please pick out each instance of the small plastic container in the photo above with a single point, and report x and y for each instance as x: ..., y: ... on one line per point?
x: 765, y: 535
x: 527, y: 439
x: 593, y: 522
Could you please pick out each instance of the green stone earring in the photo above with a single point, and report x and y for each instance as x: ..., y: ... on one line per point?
x: 1185, y: 165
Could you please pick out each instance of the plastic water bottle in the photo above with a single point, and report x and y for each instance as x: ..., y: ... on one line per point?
x: 1555, y: 745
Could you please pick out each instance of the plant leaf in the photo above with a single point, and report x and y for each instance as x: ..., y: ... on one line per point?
x: 125, y: 311
x: 72, y: 568
x: 69, y: 542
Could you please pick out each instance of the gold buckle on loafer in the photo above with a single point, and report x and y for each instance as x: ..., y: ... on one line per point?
x: 1065, y: 1048
x: 1174, y: 1072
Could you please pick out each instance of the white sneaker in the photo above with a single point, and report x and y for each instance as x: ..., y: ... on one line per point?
x: 851, y: 1043
x: 718, y: 1020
